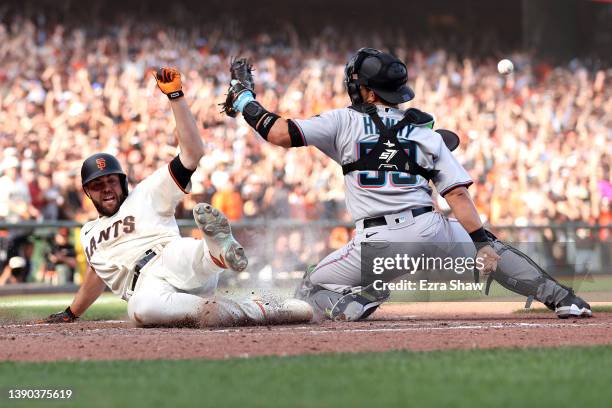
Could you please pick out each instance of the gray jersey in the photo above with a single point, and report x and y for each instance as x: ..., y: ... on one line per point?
x: 345, y: 134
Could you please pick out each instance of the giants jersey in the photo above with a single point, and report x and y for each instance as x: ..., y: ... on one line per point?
x: 144, y: 220
x: 345, y: 134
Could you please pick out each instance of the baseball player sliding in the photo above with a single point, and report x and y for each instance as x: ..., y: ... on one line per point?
x: 389, y: 157
x: 134, y: 246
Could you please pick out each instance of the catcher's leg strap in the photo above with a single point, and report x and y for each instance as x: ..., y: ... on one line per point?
x: 520, y: 274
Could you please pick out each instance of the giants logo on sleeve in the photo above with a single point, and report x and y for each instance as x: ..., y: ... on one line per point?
x: 128, y: 225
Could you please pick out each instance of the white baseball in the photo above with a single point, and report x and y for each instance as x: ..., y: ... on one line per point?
x: 505, y: 67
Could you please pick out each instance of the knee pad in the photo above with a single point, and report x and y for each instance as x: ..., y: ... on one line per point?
x: 349, y: 305
x: 305, y: 287
x: 320, y: 298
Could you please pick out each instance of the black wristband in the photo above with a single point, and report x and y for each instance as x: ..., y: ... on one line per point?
x: 480, y: 238
x: 175, y: 94
x: 68, y: 311
x: 259, y: 118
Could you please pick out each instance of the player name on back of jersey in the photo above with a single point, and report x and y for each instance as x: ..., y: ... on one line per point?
x: 112, y: 232
x: 369, y: 128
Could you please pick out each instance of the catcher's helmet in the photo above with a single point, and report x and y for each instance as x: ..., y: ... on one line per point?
x: 102, y: 164
x: 383, y: 73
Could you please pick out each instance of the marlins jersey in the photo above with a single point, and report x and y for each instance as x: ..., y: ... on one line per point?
x: 144, y: 221
x: 345, y: 134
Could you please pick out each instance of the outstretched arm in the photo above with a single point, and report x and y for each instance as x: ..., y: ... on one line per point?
x: 279, y: 134
x: 90, y: 290
x: 269, y: 125
x: 241, y: 99
x: 190, y: 142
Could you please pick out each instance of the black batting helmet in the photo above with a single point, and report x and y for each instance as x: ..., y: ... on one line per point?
x: 102, y: 164
x: 383, y: 73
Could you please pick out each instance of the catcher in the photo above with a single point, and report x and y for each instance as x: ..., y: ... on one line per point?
x: 389, y: 157
x: 134, y: 247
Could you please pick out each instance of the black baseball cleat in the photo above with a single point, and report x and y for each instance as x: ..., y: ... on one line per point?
x: 572, y: 306
x: 224, y: 250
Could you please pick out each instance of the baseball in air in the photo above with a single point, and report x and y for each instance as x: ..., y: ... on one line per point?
x: 505, y: 67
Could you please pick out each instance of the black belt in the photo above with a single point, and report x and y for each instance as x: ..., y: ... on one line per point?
x: 378, y: 221
x: 150, y: 254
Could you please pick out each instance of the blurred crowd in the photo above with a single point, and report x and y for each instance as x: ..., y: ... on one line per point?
x: 537, y: 143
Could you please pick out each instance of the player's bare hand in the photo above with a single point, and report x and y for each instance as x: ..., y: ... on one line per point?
x: 169, y: 81
x: 487, y: 258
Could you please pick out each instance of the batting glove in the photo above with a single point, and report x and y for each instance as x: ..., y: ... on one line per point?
x: 62, y: 317
x: 169, y: 82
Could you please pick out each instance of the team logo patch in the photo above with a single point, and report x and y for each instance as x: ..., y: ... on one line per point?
x: 101, y: 163
x: 387, y: 155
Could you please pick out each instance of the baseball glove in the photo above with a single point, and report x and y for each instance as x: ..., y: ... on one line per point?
x: 169, y: 82
x: 61, y: 317
x: 242, y: 81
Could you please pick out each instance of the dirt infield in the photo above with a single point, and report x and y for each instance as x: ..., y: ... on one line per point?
x: 395, y: 327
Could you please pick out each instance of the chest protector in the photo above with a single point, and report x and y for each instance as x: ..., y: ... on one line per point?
x: 388, y: 154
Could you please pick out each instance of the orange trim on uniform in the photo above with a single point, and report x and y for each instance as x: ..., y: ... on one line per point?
x: 175, y: 180
x: 219, y: 262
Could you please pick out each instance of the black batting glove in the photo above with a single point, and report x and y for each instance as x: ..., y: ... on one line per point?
x: 62, y: 317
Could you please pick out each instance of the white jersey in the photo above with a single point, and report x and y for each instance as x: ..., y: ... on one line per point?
x: 145, y: 220
x: 345, y: 134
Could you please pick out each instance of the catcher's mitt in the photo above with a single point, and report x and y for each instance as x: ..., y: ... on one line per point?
x: 242, y: 81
